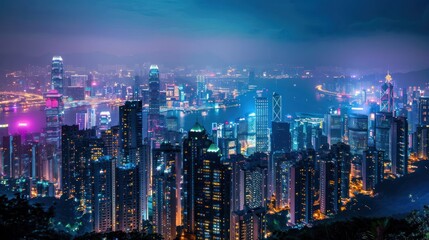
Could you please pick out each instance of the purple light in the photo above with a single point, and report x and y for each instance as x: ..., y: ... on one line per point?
x: 22, y: 124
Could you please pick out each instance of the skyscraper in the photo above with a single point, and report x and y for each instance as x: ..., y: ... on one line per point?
x: 383, y: 123
x: 103, y: 172
x: 334, y: 128
x: 302, y: 190
x: 129, y: 216
x: 130, y: 132
x: 261, y: 104
x: 424, y: 111
x: 166, y: 190
x: 372, y: 168
x: 154, y: 100
x: 330, y: 185
x: 358, y: 133
x: 280, y: 137
x: 54, y: 110
x: 342, y: 154
x: 399, y: 146
x: 277, y: 107
x: 212, y: 196
x: 57, y: 74
x: 386, y: 98
x: 194, y: 147
x: 12, y: 163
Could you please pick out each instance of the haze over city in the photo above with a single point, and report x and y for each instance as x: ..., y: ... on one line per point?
x: 227, y: 120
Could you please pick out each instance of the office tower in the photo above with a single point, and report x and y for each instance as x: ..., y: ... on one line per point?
x: 334, y: 128
x: 248, y: 224
x: 82, y: 120
x: 330, y: 185
x: 103, y: 172
x: 130, y: 132
x: 386, y: 98
x: 12, y: 164
x: 255, y: 185
x: 302, y: 190
x: 383, y: 123
x: 277, y: 107
x: 422, y: 142
x: 146, y: 183
x: 201, y: 89
x: 212, y: 196
x: 341, y: 153
x: 251, y: 134
x: 372, y: 168
x: 79, y: 149
x: 261, y: 104
x: 129, y: 217
x: 280, y: 137
x: 282, y: 164
x: 154, y: 100
x: 424, y: 111
x: 166, y: 190
x: 399, y: 146
x: 57, y: 74
x: 136, y: 88
x: 111, y: 141
x: 194, y: 147
x: 358, y: 133
x: 54, y: 110
x: 237, y: 163
x: 226, y: 138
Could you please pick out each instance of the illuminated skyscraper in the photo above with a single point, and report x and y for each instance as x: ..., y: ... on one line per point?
x: 383, y: 123
x: 357, y: 133
x: 248, y: 224
x: 277, y: 107
x: 334, y: 128
x: 282, y: 163
x: 399, y: 146
x: 302, y: 190
x: 57, y: 74
x: 261, y: 104
x: 386, y: 98
x: 201, y: 89
x: 12, y: 162
x: 424, y: 111
x: 341, y: 153
x: 154, y: 100
x: 130, y: 132
x: 330, y: 185
x: 212, y: 196
x: 372, y: 168
x: 194, y: 147
x: 79, y: 149
x: 422, y: 145
x: 54, y: 110
x: 103, y: 172
x: 129, y: 216
x: 166, y: 194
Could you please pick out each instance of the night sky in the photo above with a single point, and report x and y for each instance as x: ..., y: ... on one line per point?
x: 364, y: 34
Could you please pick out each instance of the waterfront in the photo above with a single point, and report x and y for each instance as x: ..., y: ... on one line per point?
x: 299, y: 95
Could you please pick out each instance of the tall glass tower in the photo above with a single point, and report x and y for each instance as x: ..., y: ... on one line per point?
x: 57, y: 74
x: 277, y: 107
x: 261, y: 104
x: 154, y: 99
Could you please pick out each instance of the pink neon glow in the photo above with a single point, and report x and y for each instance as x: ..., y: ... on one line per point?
x: 22, y: 124
x: 94, y: 84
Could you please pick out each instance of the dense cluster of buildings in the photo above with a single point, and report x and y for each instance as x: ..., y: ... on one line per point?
x: 233, y: 181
